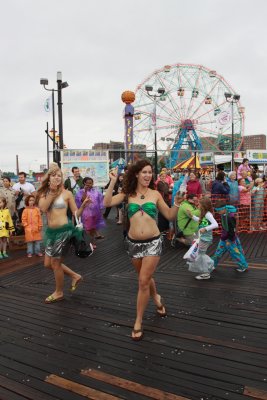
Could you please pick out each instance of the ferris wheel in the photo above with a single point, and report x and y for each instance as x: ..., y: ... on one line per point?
x: 186, y: 107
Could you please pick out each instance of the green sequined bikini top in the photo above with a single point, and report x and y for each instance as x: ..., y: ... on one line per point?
x: 149, y: 208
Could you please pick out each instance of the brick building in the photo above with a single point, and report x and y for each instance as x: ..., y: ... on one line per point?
x: 116, y: 149
x: 254, y: 142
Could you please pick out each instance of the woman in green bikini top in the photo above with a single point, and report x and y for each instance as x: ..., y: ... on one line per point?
x: 149, y: 208
x: 144, y: 241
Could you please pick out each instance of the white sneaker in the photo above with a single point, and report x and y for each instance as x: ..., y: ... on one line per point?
x: 241, y: 269
x: 202, y: 276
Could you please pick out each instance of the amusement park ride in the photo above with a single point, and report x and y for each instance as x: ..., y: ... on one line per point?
x: 186, y: 105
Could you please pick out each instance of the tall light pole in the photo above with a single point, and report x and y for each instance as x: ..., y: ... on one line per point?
x: 60, y: 85
x: 232, y: 98
x: 155, y: 96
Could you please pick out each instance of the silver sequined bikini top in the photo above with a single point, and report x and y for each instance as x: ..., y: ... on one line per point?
x: 58, y: 203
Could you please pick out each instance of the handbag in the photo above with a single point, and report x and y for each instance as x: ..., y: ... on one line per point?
x: 193, y: 251
x: 179, y: 233
x: 82, y: 246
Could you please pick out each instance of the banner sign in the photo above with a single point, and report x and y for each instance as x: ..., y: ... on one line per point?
x: 91, y: 163
x: 206, y: 158
x: 257, y: 156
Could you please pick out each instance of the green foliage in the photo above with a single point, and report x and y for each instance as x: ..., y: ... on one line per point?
x: 10, y: 174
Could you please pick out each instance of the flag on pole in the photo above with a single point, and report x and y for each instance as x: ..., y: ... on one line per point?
x: 47, y: 104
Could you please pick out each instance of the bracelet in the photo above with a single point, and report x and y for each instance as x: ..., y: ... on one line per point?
x: 176, y: 205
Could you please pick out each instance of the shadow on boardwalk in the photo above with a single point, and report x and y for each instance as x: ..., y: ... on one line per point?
x: 212, y: 345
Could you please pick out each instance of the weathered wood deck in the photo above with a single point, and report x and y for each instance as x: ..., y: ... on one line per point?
x: 212, y: 345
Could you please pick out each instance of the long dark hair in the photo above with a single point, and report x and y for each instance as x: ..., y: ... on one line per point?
x: 130, y: 179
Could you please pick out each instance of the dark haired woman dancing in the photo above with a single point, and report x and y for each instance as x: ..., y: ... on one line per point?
x: 144, y: 240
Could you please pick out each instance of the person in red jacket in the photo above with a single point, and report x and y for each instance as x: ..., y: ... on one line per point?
x: 193, y: 185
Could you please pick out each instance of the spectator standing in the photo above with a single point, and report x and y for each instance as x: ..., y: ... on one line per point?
x: 7, y: 192
x: 32, y: 223
x: 258, y: 200
x: 234, y: 191
x: 163, y: 188
x: 245, y: 204
x: 193, y: 186
x: 248, y: 180
x: 118, y: 189
x: 74, y: 183
x: 6, y: 227
x: 244, y: 167
x: 201, y: 179
x: 220, y: 188
x: 22, y: 190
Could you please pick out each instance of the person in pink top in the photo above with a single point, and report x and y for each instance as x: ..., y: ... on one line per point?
x: 244, y: 167
x: 245, y: 204
x: 193, y: 185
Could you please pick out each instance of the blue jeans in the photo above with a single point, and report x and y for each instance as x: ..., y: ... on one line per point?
x: 31, y: 246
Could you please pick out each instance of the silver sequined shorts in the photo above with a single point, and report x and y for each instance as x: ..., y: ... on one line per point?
x: 59, y: 247
x: 144, y: 248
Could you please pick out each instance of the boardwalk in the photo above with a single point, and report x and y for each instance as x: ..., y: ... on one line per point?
x: 212, y: 345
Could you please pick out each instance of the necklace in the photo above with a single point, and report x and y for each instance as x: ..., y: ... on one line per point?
x: 143, y: 195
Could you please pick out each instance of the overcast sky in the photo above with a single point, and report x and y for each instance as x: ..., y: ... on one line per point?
x: 105, y: 47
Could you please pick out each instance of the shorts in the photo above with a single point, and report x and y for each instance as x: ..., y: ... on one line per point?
x: 144, y: 248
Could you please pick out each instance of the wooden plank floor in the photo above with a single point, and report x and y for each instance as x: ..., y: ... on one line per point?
x: 212, y: 344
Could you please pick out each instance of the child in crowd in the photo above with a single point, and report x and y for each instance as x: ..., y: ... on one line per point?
x: 229, y: 241
x: 6, y: 227
x: 245, y: 204
x: 32, y: 222
x: 203, y: 263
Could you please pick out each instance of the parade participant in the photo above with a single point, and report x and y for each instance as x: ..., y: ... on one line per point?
x: 229, y: 241
x: 6, y: 227
x: 7, y: 192
x: 22, y: 190
x: 143, y: 240
x: 203, y: 263
x: 32, y: 221
x: 92, y: 217
x: 53, y: 199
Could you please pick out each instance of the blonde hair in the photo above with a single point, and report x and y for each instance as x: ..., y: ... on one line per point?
x: 44, y: 188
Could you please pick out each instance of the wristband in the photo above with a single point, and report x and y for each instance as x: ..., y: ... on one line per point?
x: 176, y: 205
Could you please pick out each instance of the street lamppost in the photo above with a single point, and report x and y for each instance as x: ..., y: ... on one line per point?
x: 155, y: 95
x: 60, y: 85
x: 232, y: 98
